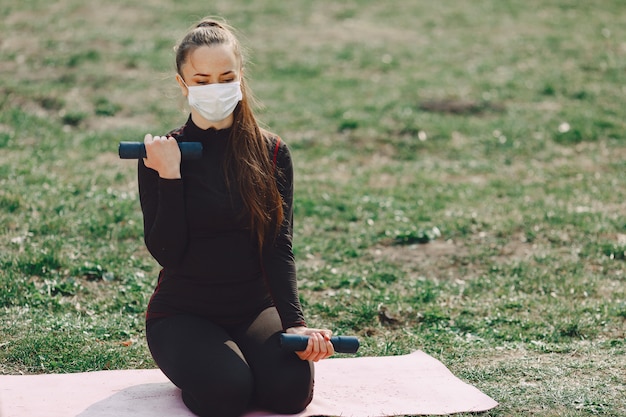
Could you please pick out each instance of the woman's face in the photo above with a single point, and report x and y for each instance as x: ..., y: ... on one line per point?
x: 209, y: 65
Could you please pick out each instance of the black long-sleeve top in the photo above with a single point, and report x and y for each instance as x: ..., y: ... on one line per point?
x: 194, y: 228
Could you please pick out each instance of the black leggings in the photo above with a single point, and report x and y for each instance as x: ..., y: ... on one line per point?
x: 225, y: 371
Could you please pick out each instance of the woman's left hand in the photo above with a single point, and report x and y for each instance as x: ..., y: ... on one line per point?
x: 319, y: 346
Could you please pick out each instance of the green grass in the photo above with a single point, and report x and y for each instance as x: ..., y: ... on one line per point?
x: 459, y: 164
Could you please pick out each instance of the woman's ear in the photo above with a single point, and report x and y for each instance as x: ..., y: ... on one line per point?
x: 183, y: 86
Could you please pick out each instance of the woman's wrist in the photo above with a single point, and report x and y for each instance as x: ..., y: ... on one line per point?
x: 295, y: 330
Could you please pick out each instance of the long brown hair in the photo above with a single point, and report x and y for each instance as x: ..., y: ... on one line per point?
x: 247, y: 165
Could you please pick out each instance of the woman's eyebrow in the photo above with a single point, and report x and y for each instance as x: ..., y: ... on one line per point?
x: 229, y: 72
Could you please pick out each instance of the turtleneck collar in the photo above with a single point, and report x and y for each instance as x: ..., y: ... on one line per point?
x: 193, y: 133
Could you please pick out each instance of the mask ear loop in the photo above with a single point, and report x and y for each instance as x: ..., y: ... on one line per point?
x: 185, y: 92
x: 180, y: 77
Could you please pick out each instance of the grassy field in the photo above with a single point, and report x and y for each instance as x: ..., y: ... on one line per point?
x: 460, y: 182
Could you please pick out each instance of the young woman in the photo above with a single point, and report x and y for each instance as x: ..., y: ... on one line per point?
x: 221, y: 228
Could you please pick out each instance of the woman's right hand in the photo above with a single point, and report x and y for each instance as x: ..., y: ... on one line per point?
x: 162, y: 155
x: 319, y: 345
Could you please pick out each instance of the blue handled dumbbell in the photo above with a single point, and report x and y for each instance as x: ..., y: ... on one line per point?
x: 297, y: 343
x: 136, y: 150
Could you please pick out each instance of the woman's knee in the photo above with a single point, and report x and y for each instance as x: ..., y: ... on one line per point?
x: 230, y: 396
x: 289, y: 391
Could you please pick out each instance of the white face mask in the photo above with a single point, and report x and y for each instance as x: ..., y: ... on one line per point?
x: 215, y: 102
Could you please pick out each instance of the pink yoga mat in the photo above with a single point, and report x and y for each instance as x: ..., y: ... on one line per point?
x: 414, y: 384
